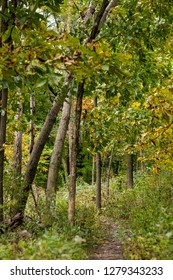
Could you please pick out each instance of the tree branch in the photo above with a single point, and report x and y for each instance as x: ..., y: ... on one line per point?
x: 94, y: 30
x: 101, y: 17
x: 113, y: 3
x: 90, y: 12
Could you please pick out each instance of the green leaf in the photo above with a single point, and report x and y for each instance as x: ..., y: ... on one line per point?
x: 15, y: 34
x: 105, y: 67
x: 41, y: 82
x: 7, y: 33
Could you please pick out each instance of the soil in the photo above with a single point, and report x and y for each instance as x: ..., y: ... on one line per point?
x: 110, y: 248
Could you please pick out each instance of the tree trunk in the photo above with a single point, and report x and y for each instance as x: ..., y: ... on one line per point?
x: 117, y: 166
x: 98, y: 171
x: 2, y: 142
x: 17, y: 161
x: 129, y: 171
x: 32, y: 125
x: 109, y: 172
x: 93, y: 171
x: 65, y: 169
x: 141, y: 164
x: 17, y: 158
x: 74, y: 139
x: 58, y: 146
x: 98, y: 180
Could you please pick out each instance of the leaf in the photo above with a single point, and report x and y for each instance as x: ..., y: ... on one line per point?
x: 7, y: 33
x: 54, y: 5
x: 169, y: 234
x: 41, y: 82
x: 15, y: 34
x: 105, y: 67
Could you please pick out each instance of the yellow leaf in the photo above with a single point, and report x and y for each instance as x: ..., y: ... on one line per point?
x: 136, y: 105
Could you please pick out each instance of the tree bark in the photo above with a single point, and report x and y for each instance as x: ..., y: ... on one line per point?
x: 129, y: 171
x: 98, y: 170
x: 57, y: 150
x: 74, y: 135
x: 93, y: 170
x: 89, y: 13
x: 98, y: 180
x: 32, y: 125
x: 109, y: 172
x: 17, y: 158
x: 2, y: 142
x: 65, y: 168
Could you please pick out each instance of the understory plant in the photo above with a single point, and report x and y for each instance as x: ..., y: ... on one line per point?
x: 145, y: 214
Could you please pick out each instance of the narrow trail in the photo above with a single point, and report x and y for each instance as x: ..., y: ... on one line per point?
x: 110, y: 248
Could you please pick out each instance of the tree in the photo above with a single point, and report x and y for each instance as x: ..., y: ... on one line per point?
x: 55, y: 161
x: 74, y: 143
x: 129, y: 171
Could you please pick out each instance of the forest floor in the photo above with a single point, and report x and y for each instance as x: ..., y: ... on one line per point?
x: 110, y: 248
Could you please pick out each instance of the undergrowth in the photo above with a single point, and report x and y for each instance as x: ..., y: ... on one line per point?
x: 146, y: 215
x: 39, y: 238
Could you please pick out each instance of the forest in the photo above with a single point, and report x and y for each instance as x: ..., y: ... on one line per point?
x: 86, y: 129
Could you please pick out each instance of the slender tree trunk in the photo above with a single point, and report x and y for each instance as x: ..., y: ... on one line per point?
x: 98, y: 180
x: 117, y: 167
x: 93, y: 171
x: 58, y: 146
x: 74, y: 135
x: 65, y: 168
x: 98, y: 172
x: 129, y: 171
x: 17, y: 158
x: 32, y: 124
x: 141, y: 164
x: 17, y: 161
x: 2, y: 142
x: 109, y: 171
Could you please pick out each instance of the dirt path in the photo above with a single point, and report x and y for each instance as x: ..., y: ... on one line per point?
x: 110, y: 248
